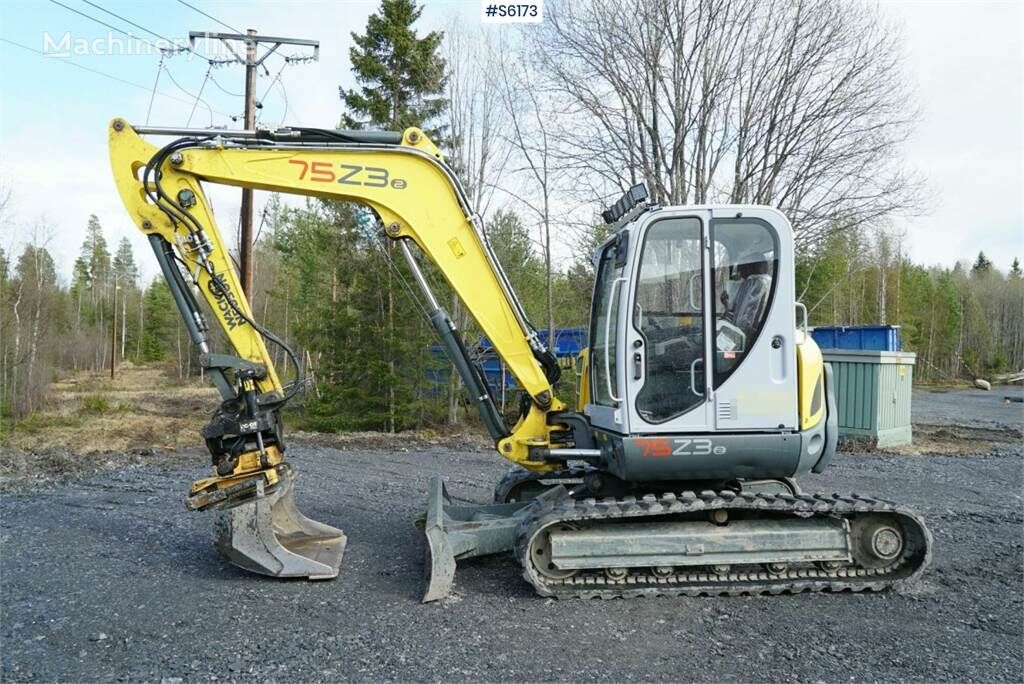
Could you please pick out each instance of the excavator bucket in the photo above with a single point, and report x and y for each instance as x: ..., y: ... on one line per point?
x: 455, y: 533
x: 268, y: 535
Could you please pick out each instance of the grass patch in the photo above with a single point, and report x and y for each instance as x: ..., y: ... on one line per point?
x: 39, y: 423
x: 100, y: 404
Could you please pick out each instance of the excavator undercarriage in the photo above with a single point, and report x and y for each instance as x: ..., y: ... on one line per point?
x: 764, y: 536
x: 700, y: 398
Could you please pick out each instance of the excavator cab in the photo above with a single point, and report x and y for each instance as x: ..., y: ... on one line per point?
x: 692, y: 328
x: 695, y: 349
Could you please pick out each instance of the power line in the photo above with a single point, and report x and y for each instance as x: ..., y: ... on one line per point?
x: 284, y: 94
x: 198, y: 95
x: 198, y: 98
x: 273, y: 81
x: 215, y: 19
x: 114, y: 28
x: 252, y: 61
x: 223, y: 89
x: 279, y: 82
x: 156, y: 81
x: 259, y: 230
x: 128, y: 21
x: 106, y: 75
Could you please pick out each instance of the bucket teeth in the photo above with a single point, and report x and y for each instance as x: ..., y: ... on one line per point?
x: 268, y: 535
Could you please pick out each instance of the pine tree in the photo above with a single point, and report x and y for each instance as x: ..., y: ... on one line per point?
x: 514, y: 250
x: 1015, y: 271
x: 125, y: 270
x: 91, y: 285
x: 161, y: 321
x: 400, y: 74
x: 401, y: 77
x: 126, y: 276
x: 982, y: 265
x: 95, y: 255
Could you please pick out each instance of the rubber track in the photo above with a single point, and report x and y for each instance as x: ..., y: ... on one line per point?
x: 641, y: 582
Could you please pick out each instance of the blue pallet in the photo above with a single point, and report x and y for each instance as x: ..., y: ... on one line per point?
x: 859, y: 337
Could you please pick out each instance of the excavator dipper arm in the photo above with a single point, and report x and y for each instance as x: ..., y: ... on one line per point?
x: 400, y: 176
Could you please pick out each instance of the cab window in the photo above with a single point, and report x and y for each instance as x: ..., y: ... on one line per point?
x: 668, y: 311
x: 603, y: 323
x: 745, y: 262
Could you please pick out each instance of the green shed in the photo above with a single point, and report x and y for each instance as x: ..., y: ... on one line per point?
x: 873, y: 391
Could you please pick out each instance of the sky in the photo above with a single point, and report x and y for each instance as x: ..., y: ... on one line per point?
x: 965, y: 61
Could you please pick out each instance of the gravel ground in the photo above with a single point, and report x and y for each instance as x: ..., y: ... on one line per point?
x: 106, y: 576
x: 969, y: 408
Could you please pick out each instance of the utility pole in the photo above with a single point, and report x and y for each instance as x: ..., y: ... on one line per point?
x: 245, y: 222
x: 113, y: 332
x: 252, y: 60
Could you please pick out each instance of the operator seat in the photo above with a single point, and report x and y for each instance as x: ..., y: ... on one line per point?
x: 751, y: 297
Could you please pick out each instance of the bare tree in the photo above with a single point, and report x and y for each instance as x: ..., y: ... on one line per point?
x: 476, y: 151
x: 34, y: 306
x: 475, y: 116
x: 800, y: 105
x: 528, y: 131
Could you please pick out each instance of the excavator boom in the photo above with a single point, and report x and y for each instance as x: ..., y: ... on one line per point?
x: 403, y: 179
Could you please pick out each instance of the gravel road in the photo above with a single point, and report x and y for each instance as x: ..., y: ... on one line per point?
x: 105, y: 576
x: 969, y: 407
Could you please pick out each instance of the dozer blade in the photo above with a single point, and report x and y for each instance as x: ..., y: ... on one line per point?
x: 440, y: 557
x: 268, y: 535
x: 455, y: 533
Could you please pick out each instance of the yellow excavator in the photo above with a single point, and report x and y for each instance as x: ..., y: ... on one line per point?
x: 700, y: 395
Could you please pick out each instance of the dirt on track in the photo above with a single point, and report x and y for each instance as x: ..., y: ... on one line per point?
x: 105, y: 576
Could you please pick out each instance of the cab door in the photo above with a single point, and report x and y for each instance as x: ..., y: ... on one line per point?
x: 666, y: 338
x: 606, y: 407
x: 753, y: 371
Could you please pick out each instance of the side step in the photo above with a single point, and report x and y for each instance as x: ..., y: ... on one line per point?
x: 455, y: 533
x: 268, y: 535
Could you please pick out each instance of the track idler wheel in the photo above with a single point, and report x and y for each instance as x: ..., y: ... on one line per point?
x: 876, y: 540
x: 540, y: 554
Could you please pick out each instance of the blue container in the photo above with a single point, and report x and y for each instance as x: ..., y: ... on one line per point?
x: 859, y: 337
x: 568, y: 344
x: 568, y: 341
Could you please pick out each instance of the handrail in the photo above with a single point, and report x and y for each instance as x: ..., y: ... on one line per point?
x: 607, y: 327
x: 802, y: 307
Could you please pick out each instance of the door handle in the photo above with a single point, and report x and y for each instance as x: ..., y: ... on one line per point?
x: 636, y: 365
x: 694, y: 306
x: 693, y: 375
